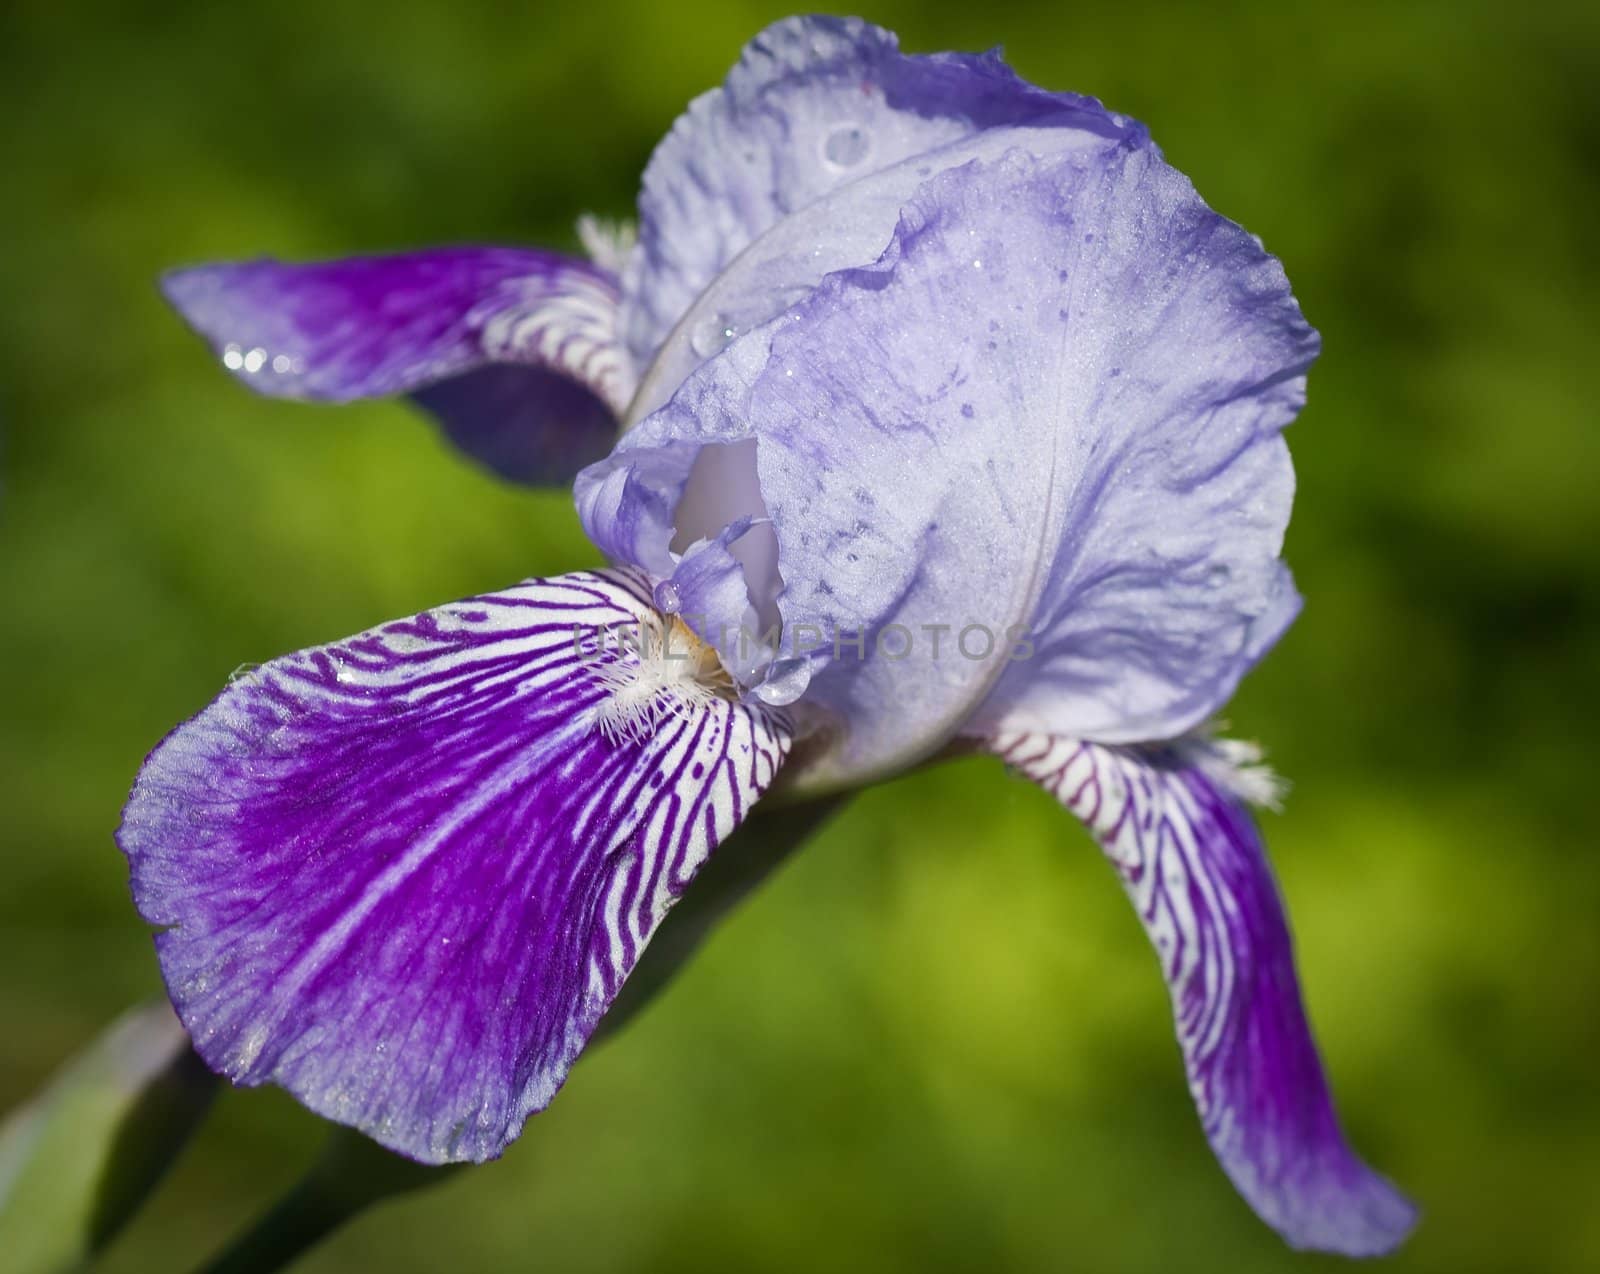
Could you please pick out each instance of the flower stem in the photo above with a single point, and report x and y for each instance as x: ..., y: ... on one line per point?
x: 350, y: 1175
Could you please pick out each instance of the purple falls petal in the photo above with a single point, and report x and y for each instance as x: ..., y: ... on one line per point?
x: 527, y: 424
x: 404, y: 875
x: 814, y: 105
x: 514, y: 351
x: 1195, y: 869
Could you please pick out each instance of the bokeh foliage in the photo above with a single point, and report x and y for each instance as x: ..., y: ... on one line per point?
x: 937, y: 1040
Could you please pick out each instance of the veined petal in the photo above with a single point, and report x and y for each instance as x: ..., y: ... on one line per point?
x: 515, y: 351
x: 709, y: 581
x: 404, y: 875
x: 1194, y: 867
x: 814, y: 104
x: 1049, y: 414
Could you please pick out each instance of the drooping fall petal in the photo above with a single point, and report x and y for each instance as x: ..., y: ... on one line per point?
x: 1192, y: 863
x: 515, y: 351
x: 404, y: 875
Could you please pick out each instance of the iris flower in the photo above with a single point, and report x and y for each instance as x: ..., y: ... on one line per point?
x: 929, y: 413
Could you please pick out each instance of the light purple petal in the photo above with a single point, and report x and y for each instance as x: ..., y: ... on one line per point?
x: 404, y: 875
x: 1193, y: 864
x: 815, y: 104
x: 1051, y: 411
x: 628, y: 509
x: 709, y: 583
x: 515, y: 351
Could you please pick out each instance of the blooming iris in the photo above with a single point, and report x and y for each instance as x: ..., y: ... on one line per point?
x: 906, y: 349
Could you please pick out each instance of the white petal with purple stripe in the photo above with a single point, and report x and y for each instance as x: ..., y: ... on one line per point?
x: 515, y: 351
x: 1194, y: 867
x: 404, y: 875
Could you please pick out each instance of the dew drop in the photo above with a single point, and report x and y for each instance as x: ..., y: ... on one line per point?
x: 847, y: 145
x: 1218, y: 575
x: 668, y: 600
x: 786, y: 681
x: 712, y: 334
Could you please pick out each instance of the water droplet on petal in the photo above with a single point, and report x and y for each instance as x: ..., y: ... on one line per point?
x: 847, y: 145
x: 1218, y: 575
x: 668, y: 600
x: 712, y: 335
x: 786, y: 681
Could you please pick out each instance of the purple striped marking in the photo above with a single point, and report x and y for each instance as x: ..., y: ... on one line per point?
x: 405, y: 875
x: 1196, y: 871
x: 515, y: 351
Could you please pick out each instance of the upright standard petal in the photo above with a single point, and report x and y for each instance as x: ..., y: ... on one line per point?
x: 1193, y: 864
x: 404, y: 875
x: 515, y: 351
x: 813, y: 105
x: 1050, y: 414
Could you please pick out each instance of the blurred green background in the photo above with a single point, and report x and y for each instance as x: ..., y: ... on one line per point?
x: 937, y: 1041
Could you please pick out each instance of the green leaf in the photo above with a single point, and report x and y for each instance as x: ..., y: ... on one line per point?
x: 78, y: 1160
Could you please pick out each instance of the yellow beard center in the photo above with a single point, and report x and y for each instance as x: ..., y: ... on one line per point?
x: 671, y: 675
